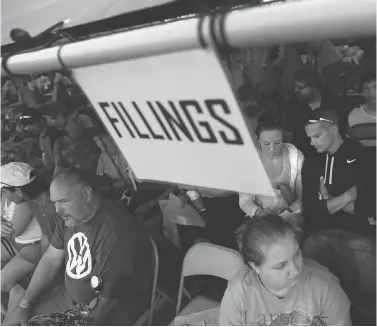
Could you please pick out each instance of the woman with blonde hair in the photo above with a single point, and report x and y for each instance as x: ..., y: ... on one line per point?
x: 283, y: 163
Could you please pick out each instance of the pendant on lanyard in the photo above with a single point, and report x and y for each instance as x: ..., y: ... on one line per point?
x: 96, y: 285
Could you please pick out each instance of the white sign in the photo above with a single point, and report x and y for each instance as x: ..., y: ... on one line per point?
x: 176, y: 120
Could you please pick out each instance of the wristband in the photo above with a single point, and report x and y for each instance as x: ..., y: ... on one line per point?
x: 25, y: 304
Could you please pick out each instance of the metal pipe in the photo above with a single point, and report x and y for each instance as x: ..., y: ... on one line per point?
x: 281, y: 23
x: 301, y: 21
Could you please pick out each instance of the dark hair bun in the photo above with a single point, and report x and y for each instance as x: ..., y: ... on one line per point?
x: 269, y: 123
x: 269, y: 119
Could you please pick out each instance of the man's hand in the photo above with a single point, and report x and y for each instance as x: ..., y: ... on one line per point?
x: 351, y: 194
x: 6, y: 228
x: 322, y: 189
x: 350, y: 208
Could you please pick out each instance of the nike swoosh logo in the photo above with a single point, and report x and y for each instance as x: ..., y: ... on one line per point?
x: 349, y: 161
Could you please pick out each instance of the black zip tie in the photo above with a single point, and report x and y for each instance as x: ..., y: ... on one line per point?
x: 203, y: 10
x: 221, y: 40
x: 60, y: 59
x: 200, y: 31
x: 216, y: 42
x: 64, y: 69
x: 4, y: 64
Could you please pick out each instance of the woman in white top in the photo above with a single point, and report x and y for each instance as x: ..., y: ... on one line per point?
x: 283, y: 163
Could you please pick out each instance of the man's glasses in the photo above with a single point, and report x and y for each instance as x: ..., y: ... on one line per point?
x: 315, y: 121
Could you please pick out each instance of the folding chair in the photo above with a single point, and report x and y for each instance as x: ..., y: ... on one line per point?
x: 207, y: 259
x: 148, y: 315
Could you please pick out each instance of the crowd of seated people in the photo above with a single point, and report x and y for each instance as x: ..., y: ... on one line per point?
x: 28, y: 201
x: 72, y: 141
x: 305, y: 139
x: 328, y: 192
x: 318, y: 150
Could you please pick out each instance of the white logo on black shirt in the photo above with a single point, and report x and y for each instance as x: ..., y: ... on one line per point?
x: 79, y: 262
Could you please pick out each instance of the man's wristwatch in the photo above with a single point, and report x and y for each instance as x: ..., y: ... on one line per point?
x: 290, y: 210
x: 25, y: 304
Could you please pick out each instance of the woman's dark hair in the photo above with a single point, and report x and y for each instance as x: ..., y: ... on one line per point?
x: 256, y: 232
x: 268, y: 123
x: 36, y: 188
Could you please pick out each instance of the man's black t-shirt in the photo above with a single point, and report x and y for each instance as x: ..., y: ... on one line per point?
x: 112, y: 245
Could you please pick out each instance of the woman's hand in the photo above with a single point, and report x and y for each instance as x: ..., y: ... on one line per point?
x: 6, y: 228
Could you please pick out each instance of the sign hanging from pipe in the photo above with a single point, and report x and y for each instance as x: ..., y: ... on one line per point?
x: 175, y: 119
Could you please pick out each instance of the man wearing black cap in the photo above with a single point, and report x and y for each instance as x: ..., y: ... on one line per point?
x: 335, y: 186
